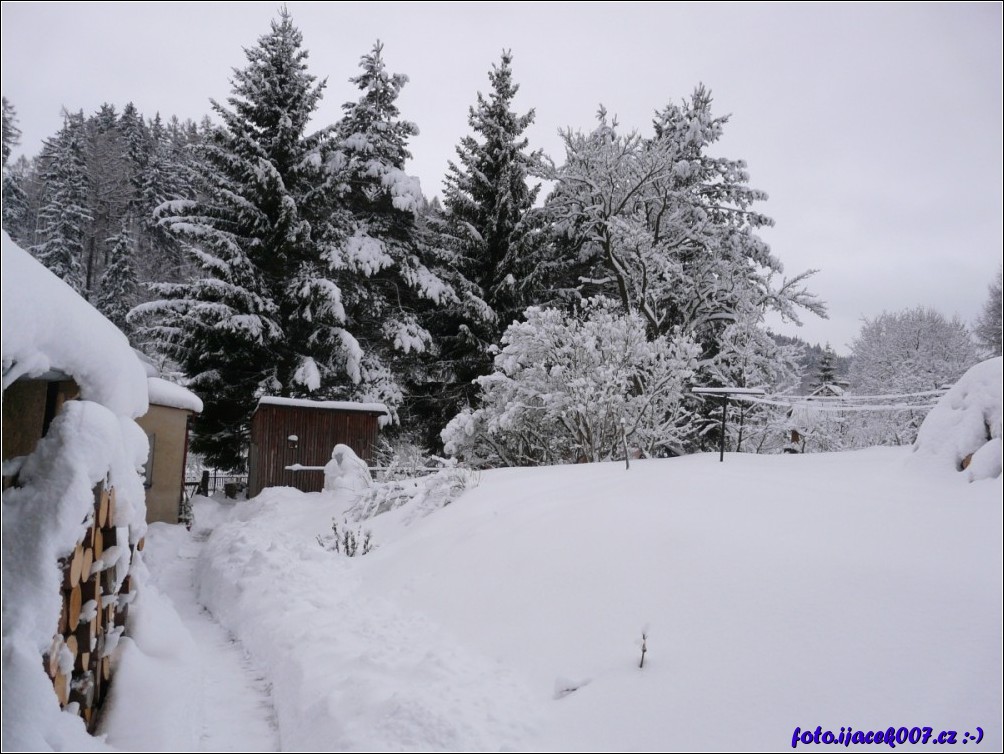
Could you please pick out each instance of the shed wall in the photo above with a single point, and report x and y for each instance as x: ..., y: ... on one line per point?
x: 167, y: 429
x: 317, y: 430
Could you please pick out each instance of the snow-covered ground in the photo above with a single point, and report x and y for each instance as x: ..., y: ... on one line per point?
x: 183, y: 682
x: 855, y: 589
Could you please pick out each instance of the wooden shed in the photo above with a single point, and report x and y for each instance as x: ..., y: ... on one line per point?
x: 166, y: 427
x: 288, y: 431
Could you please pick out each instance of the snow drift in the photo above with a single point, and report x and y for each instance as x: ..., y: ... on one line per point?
x: 964, y: 428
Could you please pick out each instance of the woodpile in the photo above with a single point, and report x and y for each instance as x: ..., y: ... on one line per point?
x: 94, y: 610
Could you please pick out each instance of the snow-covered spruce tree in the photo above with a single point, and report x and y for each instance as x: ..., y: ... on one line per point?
x: 164, y: 156
x: 988, y: 327
x: 118, y: 285
x: 111, y: 178
x: 669, y: 230
x: 65, y: 216
x: 261, y: 317
x: 11, y: 133
x: 14, y: 199
x: 576, y: 387
x: 490, y: 233
x: 826, y: 373
x: 911, y: 351
x: 290, y: 274
x: 389, y: 273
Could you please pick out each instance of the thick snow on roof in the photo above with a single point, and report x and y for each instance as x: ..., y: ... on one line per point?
x: 164, y: 393
x: 370, y: 408
x: 967, y: 420
x: 47, y: 325
x: 148, y: 365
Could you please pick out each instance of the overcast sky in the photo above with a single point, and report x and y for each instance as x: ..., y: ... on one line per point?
x: 875, y: 129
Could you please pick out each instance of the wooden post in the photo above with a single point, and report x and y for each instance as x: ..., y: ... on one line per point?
x: 204, y: 484
x: 725, y: 405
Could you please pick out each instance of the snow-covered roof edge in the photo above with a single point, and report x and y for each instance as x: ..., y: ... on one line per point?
x: 172, y: 395
x: 368, y: 408
x: 47, y: 325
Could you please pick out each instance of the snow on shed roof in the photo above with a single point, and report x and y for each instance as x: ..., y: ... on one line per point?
x: 48, y: 326
x: 164, y: 393
x: 369, y: 408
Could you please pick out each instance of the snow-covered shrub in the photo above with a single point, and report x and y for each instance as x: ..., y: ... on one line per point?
x: 401, y: 458
x: 577, y: 387
x: 424, y: 494
x: 964, y: 429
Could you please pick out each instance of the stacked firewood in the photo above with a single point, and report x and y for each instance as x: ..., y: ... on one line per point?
x: 96, y: 593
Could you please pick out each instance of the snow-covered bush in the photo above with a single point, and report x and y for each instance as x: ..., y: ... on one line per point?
x: 964, y: 430
x: 424, y: 494
x: 577, y: 387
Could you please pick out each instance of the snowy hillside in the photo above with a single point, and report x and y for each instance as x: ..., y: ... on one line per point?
x: 853, y: 589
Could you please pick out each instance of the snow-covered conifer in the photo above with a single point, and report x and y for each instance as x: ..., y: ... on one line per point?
x: 261, y: 315
x: 489, y: 232
x: 14, y: 199
x: 988, y: 326
x: 391, y: 273
x: 118, y: 285
x: 65, y: 215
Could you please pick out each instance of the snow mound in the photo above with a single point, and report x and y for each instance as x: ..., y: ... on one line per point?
x: 346, y: 471
x: 47, y: 326
x: 966, y: 423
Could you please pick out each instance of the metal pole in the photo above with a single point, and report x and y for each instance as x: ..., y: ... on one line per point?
x: 725, y: 405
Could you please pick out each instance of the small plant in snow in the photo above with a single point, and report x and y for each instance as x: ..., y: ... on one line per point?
x: 347, y: 542
x: 644, y: 648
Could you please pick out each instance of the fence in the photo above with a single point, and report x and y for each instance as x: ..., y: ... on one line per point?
x: 210, y: 482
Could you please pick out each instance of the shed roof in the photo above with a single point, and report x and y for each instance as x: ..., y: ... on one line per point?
x: 364, y: 408
x: 164, y: 393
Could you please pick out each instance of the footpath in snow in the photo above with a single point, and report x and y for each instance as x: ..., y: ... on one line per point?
x: 192, y: 687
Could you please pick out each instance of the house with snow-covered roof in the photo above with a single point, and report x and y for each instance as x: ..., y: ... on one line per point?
x: 288, y: 432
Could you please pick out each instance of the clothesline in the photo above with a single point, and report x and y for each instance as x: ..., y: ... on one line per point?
x: 810, y: 404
